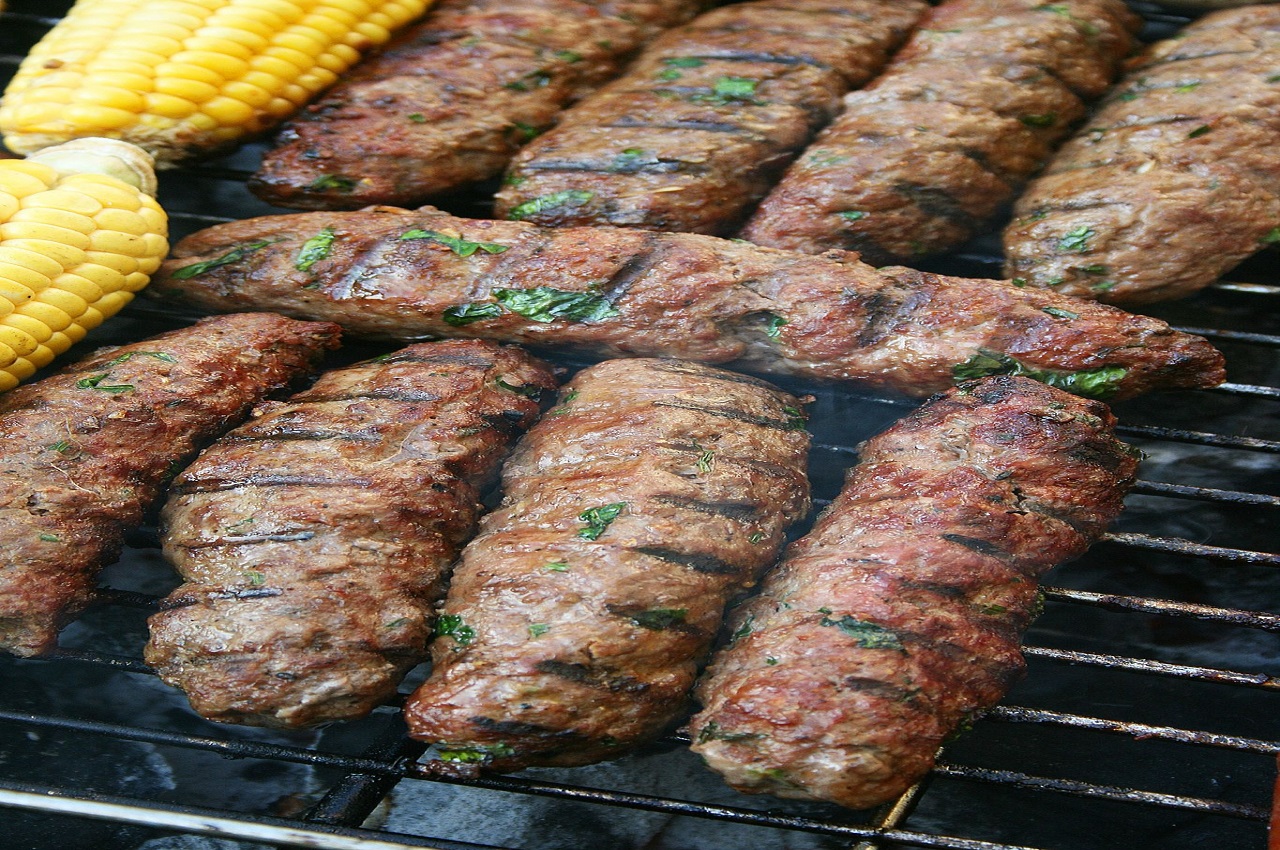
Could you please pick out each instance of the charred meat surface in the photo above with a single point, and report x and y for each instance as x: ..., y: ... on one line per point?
x: 931, y: 151
x: 86, y: 451
x: 900, y: 614
x: 452, y: 99
x: 704, y: 122
x: 1173, y: 181
x: 315, y: 538
x: 632, y: 513
x: 401, y: 274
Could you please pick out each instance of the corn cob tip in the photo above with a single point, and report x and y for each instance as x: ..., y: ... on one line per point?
x: 122, y: 160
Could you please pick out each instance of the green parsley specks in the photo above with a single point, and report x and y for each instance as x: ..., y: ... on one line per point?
x: 865, y: 634
x: 659, y: 619
x: 734, y: 90
x: 465, y: 314
x: 1199, y: 131
x: 397, y: 623
x: 50, y: 538
x: 1100, y: 383
x: 1076, y: 240
x: 332, y: 182
x: 756, y: 537
x: 315, y: 249
x: 1272, y: 237
x: 773, y: 325
x: 235, y: 255
x: 530, y: 81
x: 598, y: 519
x: 538, y: 629
x: 556, y: 566
x: 544, y: 304
x: 852, y: 215
x: 556, y: 200
x: 255, y: 578
x: 62, y: 447
x: 477, y: 754
x: 531, y: 391
x: 1047, y: 119
x: 795, y: 418
x: 713, y: 732
x: 451, y: 625
x: 461, y: 247
x: 417, y: 117
x: 129, y: 355
x: 95, y: 382
x: 1059, y: 313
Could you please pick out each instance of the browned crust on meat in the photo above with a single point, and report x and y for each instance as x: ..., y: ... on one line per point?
x: 1173, y: 181
x: 571, y: 640
x: 674, y: 294
x: 704, y: 122
x: 452, y: 98
x: 85, y: 452
x: 898, y: 617
x: 315, y: 538
x: 966, y: 112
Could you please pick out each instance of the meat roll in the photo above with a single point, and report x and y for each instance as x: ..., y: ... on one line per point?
x: 702, y: 125
x: 1173, y: 181
x: 929, y: 153
x: 899, y: 615
x: 87, y: 451
x: 577, y: 619
x: 315, y: 538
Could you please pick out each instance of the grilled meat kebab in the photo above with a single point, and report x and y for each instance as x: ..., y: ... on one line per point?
x: 934, y: 148
x: 400, y: 274
x: 452, y: 99
x: 87, y: 450
x: 1173, y: 181
x: 899, y: 616
x: 702, y: 125
x: 315, y: 538
x: 576, y: 620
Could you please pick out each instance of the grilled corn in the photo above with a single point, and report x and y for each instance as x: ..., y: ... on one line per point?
x: 187, y: 78
x: 80, y: 233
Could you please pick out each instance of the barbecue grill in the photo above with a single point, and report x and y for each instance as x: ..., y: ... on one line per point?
x: 1147, y: 719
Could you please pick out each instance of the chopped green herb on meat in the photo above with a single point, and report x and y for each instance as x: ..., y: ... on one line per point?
x: 1099, y: 383
x: 599, y: 519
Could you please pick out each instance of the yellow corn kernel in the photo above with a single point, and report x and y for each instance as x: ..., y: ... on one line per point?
x: 187, y: 78
x: 81, y: 233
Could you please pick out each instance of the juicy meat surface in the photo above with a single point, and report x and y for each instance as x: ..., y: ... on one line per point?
x: 315, y: 538
x: 86, y: 451
x: 632, y: 513
x: 703, y: 123
x: 452, y: 99
x: 932, y: 150
x: 1175, y: 178
x: 620, y: 292
x: 899, y: 616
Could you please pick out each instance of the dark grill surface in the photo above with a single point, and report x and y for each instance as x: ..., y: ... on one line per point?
x: 1148, y: 718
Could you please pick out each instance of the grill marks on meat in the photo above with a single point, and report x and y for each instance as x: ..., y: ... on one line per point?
x: 622, y: 292
x: 899, y: 616
x: 86, y: 451
x: 704, y: 122
x: 1173, y: 181
x: 928, y: 153
x: 577, y: 619
x: 314, y: 539
x: 452, y: 99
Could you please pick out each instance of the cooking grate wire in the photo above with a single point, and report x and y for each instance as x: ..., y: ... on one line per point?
x: 364, y: 781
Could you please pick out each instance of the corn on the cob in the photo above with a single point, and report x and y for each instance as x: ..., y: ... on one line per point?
x: 80, y: 233
x: 185, y: 78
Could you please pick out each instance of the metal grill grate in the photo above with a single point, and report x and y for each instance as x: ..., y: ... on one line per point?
x: 1147, y: 718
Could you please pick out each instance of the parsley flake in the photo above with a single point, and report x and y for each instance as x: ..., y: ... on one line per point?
x: 314, y: 249
x: 451, y: 625
x: 235, y: 255
x: 461, y: 247
x: 598, y: 519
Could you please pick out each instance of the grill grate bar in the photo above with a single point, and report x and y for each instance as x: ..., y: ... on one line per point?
x: 1206, y: 494
x: 1232, y: 336
x: 190, y: 819
x: 1201, y: 438
x: 1145, y: 665
x: 1141, y: 731
x: 1168, y: 607
x: 1102, y: 792
x: 1247, y: 390
x: 1179, y: 546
